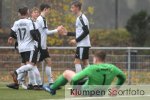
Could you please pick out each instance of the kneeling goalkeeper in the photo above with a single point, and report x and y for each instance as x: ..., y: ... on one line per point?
x: 100, y: 73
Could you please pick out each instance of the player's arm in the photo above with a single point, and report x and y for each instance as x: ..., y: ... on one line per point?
x: 85, y: 30
x: 71, y: 34
x: 13, y: 34
x: 121, y: 77
x: 42, y: 23
x: 79, y: 76
x: 84, y: 34
x: 50, y: 32
x: 13, y: 31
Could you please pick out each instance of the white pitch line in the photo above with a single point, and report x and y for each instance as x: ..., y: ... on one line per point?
x: 84, y: 98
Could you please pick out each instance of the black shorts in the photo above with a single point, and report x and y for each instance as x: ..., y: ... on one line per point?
x: 29, y: 56
x: 82, y: 53
x: 42, y: 55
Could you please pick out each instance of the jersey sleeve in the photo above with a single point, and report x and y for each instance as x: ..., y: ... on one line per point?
x: 40, y: 23
x: 79, y: 76
x: 85, y: 26
x: 14, y: 28
x: 49, y: 32
x: 71, y: 34
x: 121, y: 76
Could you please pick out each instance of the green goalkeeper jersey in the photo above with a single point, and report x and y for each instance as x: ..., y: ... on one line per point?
x: 100, y: 74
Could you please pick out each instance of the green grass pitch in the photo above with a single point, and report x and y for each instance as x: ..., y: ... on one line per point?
x: 21, y: 94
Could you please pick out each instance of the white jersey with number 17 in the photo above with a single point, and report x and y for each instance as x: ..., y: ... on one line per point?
x: 25, y: 41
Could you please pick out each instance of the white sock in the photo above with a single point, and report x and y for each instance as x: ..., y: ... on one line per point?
x: 49, y: 74
x: 24, y: 69
x: 37, y: 75
x: 32, y: 78
x: 78, y: 68
x: 20, y: 78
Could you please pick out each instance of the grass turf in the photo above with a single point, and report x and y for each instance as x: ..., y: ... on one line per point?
x: 21, y: 94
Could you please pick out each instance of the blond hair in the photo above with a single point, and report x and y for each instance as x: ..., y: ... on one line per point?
x: 35, y: 9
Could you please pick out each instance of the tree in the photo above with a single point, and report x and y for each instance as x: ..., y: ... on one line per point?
x: 60, y: 14
x: 120, y: 37
x: 138, y: 26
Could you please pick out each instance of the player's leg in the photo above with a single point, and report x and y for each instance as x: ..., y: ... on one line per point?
x: 38, y: 76
x: 23, y: 81
x: 77, y: 61
x: 48, y: 69
x: 85, y: 57
x: 19, y: 73
x: 44, y: 55
x: 61, y: 81
x: 33, y: 74
x: 85, y: 62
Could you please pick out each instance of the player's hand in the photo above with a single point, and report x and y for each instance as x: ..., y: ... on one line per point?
x: 73, y: 42
x: 62, y: 30
x: 10, y: 40
x: 59, y: 29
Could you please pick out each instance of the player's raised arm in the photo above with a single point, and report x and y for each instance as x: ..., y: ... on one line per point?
x: 65, y: 32
x: 58, y: 29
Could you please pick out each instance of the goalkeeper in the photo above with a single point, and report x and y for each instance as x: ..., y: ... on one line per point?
x: 100, y: 73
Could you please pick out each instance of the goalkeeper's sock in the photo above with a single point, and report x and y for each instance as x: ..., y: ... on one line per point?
x: 61, y: 81
x: 78, y: 68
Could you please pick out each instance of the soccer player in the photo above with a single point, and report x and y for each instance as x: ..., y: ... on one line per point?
x: 35, y: 12
x: 82, y: 36
x: 24, y: 32
x: 104, y: 74
x: 43, y: 28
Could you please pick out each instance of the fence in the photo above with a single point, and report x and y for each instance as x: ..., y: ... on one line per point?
x: 134, y: 61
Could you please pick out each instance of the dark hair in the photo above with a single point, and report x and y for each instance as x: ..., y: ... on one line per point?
x: 43, y: 6
x: 77, y: 3
x: 23, y: 10
x: 100, y: 55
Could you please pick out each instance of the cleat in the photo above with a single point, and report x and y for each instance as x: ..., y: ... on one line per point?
x: 30, y: 87
x: 40, y: 87
x: 48, y: 89
x: 36, y: 87
x: 13, y: 86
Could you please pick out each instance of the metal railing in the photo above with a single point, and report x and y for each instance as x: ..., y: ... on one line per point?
x: 135, y: 61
